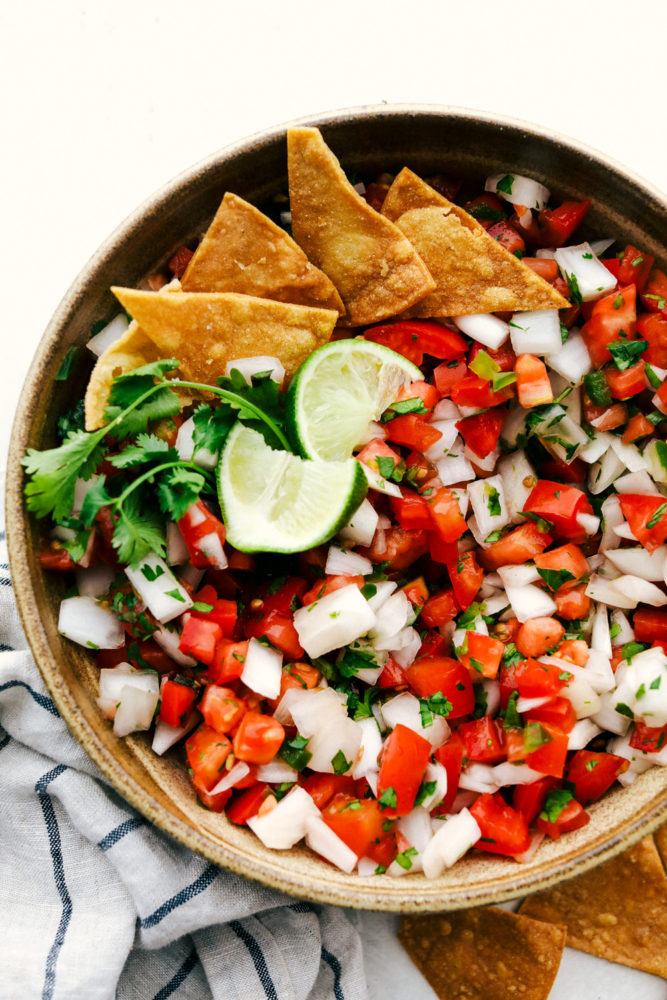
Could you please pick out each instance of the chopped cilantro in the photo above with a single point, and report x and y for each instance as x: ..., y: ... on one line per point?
x: 512, y: 719
x: 404, y: 858
x: 657, y: 515
x: 535, y: 736
x: 627, y: 352
x: 340, y: 763
x: 505, y: 184
x: 426, y: 789
x: 403, y: 406
x: 388, y: 798
x: 67, y: 364
x: 555, y: 803
x: 555, y: 578
x: 631, y: 649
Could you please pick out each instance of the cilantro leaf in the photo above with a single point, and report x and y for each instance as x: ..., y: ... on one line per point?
x: 177, y: 489
x: 556, y: 801
x: 139, y: 530
x: 626, y: 353
x: 505, y: 184
x: 55, y: 471
x: 403, y: 406
x: 67, y: 364
x: 262, y: 401
x: 535, y: 736
x: 512, y: 719
x: 96, y: 498
x: 555, y: 578
x: 340, y: 763
x: 211, y: 427
x: 293, y: 752
x: 127, y: 390
x: 147, y: 448
x: 426, y: 789
x: 388, y: 798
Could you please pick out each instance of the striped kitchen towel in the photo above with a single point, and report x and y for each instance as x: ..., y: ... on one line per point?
x: 97, y: 903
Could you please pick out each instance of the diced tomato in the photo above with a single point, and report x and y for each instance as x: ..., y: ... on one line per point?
x: 646, y: 516
x: 507, y: 236
x: 228, y: 662
x: 635, y: 268
x: 623, y: 385
x: 593, y: 773
x: 241, y: 560
x: 572, y: 604
x: 445, y: 514
x: 556, y: 225
x: 442, y: 552
x: 207, y: 752
x: 482, y: 430
x: 322, y: 787
x: 557, y: 712
x: 179, y: 262
x: 611, y: 316
x: 416, y: 592
x: 654, y: 295
x: 433, y: 644
x: 559, y: 505
x: 638, y: 426
x: 392, y: 675
x: 450, y: 755
x: 515, y: 747
x: 483, y: 656
x: 301, y: 676
x: 428, y: 394
x: 448, y: 374
x: 412, y: 511
x: 376, y: 449
x: 503, y: 356
x: 375, y: 195
x: 516, y: 547
x: 403, y: 761
x: 537, y: 635
x: 532, y: 381
x: 467, y: 577
x: 258, y: 738
x: 650, y: 739
x: 279, y: 629
x: 567, y: 558
x: 504, y: 830
x: 507, y: 682
x: 283, y: 595
x: 572, y: 817
x: 53, y: 556
x: 486, y: 209
x: 199, y: 638
x: 484, y: 740
x: 245, y: 804
x: 214, y: 803
x: 176, y: 702
x: 204, y: 536
x: 652, y: 327
x: 221, y: 708
x: 358, y: 822
x: 416, y: 337
x: 399, y: 548
x: 565, y: 472
x: 604, y: 418
x: 475, y: 391
x: 223, y: 613
x: 540, y: 680
x: 550, y: 757
x: 328, y: 585
x: 431, y: 675
x: 412, y: 432
x: 544, y: 266
x: 529, y: 799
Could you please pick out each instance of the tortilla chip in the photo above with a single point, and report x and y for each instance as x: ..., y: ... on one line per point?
x: 617, y: 911
x: 660, y: 837
x: 374, y: 267
x: 244, y: 251
x: 484, y: 954
x: 474, y: 273
x: 205, y: 330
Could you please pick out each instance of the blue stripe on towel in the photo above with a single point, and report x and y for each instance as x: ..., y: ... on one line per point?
x: 181, y: 897
x: 55, y: 847
x: 258, y: 960
x: 42, y: 700
x: 334, y: 965
x: 179, y: 977
x: 120, y: 831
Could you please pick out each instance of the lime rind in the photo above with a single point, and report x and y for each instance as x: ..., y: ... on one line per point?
x: 273, y: 501
x: 338, y: 391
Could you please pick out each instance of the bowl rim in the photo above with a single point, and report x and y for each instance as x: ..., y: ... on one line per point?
x: 521, y: 881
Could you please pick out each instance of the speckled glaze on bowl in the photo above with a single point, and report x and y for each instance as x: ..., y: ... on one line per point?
x: 429, y: 139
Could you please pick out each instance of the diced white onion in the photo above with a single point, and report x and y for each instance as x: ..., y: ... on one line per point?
x: 95, y: 580
x: 519, y: 478
x: 83, y: 620
x: 340, y: 735
x: 238, y: 772
x: 340, y: 562
x: 571, y: 359
x: 136, y: 709
x: 638, y: 562
x: 262, y: 669
x: 580, y: 263
x: 276, y: 772
x: 536, y: 332
x: 166, y: 736
x: 485, y: 328
x: 514, y: 774
x: 629, y: 455
x: 158, y: 588
x: 285, y: 825
x: 322, y: 839
x: 185, y: 446
x: 333, y: 621
x: 519, y: 190
x: 312, y: 710
x: 456, y: 836
x: 108, y: 335
x: 168, y: 640
x: 371, y: 745
x: 581, y: 734
x: 640, y: 591
x: 362, y: 525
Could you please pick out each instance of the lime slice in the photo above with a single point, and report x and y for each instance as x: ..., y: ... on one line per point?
x: 273, y: 501
x: 338, y: 390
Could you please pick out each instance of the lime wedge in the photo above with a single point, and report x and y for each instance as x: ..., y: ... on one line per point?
x: 273, y: 501
x: 338, y: 390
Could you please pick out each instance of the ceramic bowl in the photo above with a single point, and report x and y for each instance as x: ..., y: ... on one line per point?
x: 367, y: 140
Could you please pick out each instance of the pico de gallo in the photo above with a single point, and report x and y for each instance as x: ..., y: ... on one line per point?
x: 503, y: 660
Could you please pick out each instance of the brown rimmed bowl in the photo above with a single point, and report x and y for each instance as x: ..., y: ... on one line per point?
x: 367, y: 140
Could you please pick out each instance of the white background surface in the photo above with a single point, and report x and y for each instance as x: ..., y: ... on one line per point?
x: 102, y: 102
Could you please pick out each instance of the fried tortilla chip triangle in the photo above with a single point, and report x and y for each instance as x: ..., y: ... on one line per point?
x: 372, y: 264
x: 616, y: 911
x: 244, y: 251
x: 205, y: 330
x: 473, y: 272
x: 484, y: 954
